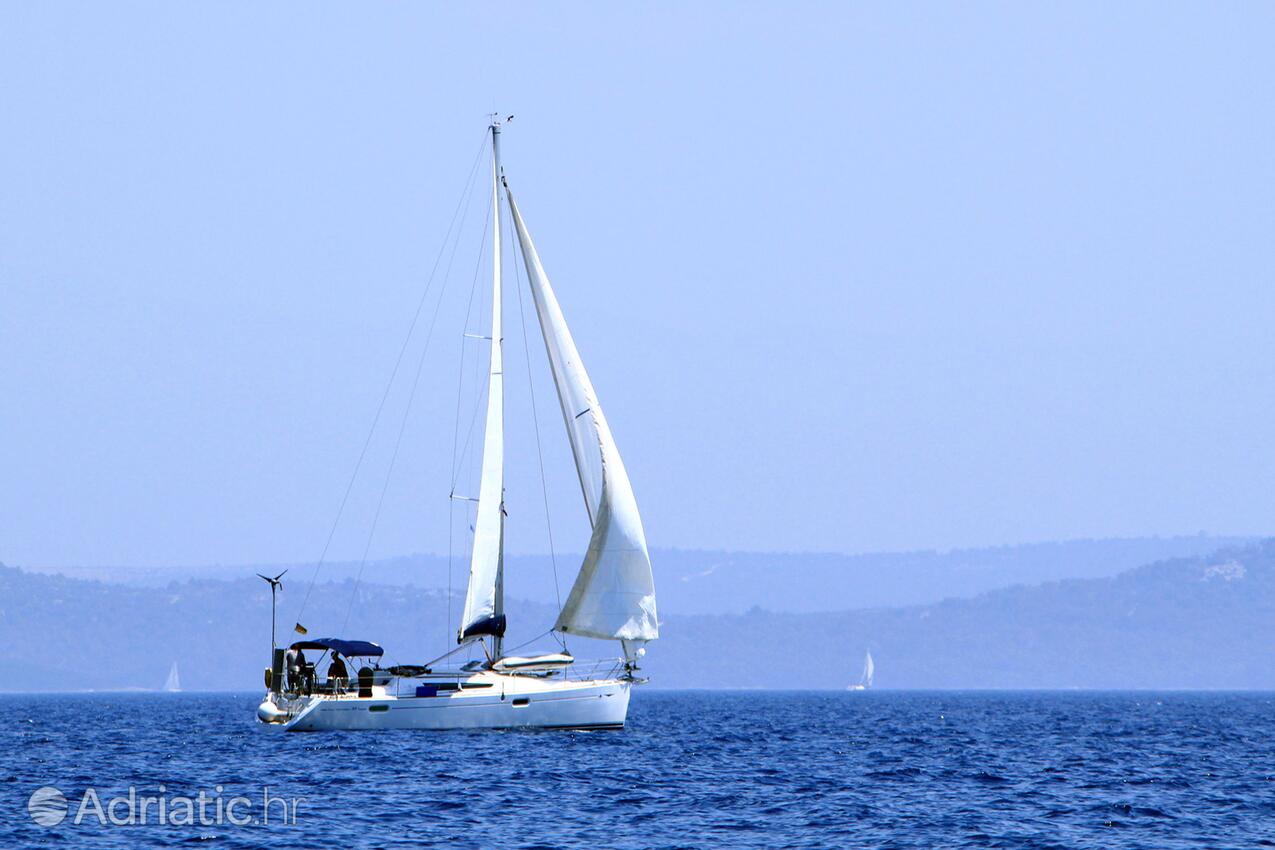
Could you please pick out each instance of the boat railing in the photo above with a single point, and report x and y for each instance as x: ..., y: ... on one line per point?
x: 601, y: 668
x: 580, y: 670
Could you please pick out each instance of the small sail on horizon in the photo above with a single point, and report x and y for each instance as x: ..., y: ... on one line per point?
x: 173, y: 683
x: 613, y: 596
x: 865, y: 678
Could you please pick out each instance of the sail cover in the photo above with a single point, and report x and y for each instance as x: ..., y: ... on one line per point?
x: 483, y: 602
x: 614, y: 593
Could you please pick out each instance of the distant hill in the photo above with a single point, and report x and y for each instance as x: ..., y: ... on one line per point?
x: 1194, y: 622
x: 1204, y: 622
x: 706, y: 582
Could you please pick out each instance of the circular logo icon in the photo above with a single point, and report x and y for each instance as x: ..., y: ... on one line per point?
x: 47, y: 806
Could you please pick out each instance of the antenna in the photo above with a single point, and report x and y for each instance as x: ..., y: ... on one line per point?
x: 276, y: 584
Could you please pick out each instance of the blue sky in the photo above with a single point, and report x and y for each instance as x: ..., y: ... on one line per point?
x: 846, y: 277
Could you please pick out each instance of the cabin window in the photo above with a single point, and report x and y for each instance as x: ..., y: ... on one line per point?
x: 521, y: 701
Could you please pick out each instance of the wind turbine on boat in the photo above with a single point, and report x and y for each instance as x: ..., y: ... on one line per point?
x: 276, y: 584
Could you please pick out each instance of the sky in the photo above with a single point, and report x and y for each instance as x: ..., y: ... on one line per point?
x: 847, y: 277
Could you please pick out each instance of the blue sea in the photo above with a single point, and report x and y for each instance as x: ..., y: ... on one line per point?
x: 693, y: 769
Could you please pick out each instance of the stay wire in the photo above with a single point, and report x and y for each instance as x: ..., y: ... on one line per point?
x: 460, y: 386
x: 388, y: 386
x: 398, y: 441
x: 535, y: 419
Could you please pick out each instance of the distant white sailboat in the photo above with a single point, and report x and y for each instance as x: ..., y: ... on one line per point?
x: 173, y: 684
x: 865, y: 680
x: 613, y: 597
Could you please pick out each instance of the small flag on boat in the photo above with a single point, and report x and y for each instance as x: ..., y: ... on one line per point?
x: 300, y: 629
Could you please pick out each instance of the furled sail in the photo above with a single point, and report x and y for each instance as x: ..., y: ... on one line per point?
x: 614, y: 593
x: 484, y: 602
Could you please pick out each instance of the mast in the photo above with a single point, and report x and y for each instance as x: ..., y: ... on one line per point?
x: 497, y: 386
x: 484, y: 600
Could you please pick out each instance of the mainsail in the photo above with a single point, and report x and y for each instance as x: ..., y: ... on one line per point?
x: 614, y: 594
x: 868, y: 669
x: 484, y: 600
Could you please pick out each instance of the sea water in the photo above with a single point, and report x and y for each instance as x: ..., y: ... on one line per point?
x: 758, y: 769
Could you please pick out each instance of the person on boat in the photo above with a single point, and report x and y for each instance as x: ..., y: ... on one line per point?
x: 338, y: 676
x: 303, y: 672
x: 290, y: 667
x: 294, y: 662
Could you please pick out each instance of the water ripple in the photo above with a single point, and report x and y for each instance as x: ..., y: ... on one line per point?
x: 739, y: 769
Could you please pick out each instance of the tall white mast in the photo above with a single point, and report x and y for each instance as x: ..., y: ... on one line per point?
x: 484, y: 600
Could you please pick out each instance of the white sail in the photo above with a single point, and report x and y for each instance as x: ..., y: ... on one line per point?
x: 484, y: 598
x: 614, y: 593
x: 868, y: 669
x: 173, y: 683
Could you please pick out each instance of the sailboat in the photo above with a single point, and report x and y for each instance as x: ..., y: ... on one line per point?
x: 173, y: 684
x: 865, y: 680
x: 612, y: 598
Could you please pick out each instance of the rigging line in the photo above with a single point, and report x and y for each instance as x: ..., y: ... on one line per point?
x: 485, y: 304
x: 451, y: 520
x: 478, y: 402
x: 473, y: 287
x: 451, y: 259
x: 460, y: 386
x: 469, y: 433
x: 446, y: 625
x: 398, y: 441
x: 411, y: 397
x: 535, y: 419
x: 530, y: 641
x: 390, y: 384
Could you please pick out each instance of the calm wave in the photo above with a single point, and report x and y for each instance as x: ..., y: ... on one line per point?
x: 693, y: 769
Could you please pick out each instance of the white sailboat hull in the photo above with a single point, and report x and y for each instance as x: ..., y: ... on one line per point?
x: 612, y: 598
x: 488, y: 701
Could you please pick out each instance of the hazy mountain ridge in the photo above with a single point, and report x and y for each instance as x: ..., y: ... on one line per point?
x: 1206, y: 622
x: 712, y: 582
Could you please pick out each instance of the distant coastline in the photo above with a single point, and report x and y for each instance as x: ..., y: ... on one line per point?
x: 1193, y: 622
